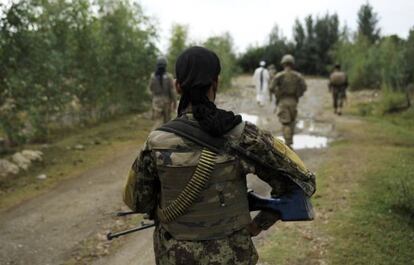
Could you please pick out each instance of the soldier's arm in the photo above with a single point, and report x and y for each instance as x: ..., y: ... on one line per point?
x: 283, y: 168
x: 346, y: 81
x: 272, y: 86
x: 303, y: 86
x: 276, y: 86
x: 173, y: 97
x: 140, y: 189
x: 149, y: 87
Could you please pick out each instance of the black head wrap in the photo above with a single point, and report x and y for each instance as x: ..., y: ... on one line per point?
x: 160, y: 69
x: 197, y: 69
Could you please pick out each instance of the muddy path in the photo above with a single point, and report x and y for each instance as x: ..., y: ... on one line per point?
x: 50, y: 228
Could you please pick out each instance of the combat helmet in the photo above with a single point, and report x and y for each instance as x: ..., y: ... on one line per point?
x: 287, y: 59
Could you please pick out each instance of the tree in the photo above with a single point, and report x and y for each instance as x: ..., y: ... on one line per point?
x: 223, y: 46
x: 409, y: 57
x: 54, y: 53
x: 177, y: 44
x: 368, y: 23
x: 314, y: 41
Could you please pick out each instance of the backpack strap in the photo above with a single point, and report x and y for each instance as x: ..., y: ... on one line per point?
x: 192, y: 131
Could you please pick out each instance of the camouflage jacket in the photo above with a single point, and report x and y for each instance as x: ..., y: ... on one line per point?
x: 288, y: 83
x: 164, y: 90
x: 282, y: 167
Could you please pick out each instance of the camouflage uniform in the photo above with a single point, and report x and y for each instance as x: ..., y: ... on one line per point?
x: 338, y: 82
x: 165, y: 151
x: 163, y: 96
x: 272, y: 74
x: 288, y: 87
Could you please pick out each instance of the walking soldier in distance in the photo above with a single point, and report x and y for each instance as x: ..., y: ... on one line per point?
x: 162, y: 90
x: 338, y: 83
x: 194, y: 186
x: 288, y: 87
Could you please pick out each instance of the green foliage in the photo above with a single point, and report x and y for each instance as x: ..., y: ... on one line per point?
x: 224, y: 48
x: 56, y: 52
x: 177, y: 44
x: 313, y: 41
x: 368, y: 23
x: 381, y: 65
x: 361, y: 62
x: 405, y: 197
x: 272, y: 52
x: 392, y: 101
x: 408, y: 57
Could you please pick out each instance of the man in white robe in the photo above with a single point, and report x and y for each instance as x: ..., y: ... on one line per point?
x: 261, y: 82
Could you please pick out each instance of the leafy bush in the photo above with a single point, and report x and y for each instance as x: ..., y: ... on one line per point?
x: 392, y: 101
x: 54, y: 52
x: 223, y: 46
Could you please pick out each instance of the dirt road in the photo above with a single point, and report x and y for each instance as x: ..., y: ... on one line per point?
x: 51, y: 228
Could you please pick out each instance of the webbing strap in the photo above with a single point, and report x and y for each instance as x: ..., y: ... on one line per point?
x: 194, y: 133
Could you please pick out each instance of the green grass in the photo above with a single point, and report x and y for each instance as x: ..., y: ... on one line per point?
x: 62, y: 161
x: 364, y: 201
x: 377, y: 225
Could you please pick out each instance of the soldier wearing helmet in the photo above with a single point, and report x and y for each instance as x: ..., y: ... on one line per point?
x: 338, y: 83
x: 162, y: 90
x: 288, y: 86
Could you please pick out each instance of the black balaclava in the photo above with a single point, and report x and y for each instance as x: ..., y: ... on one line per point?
x: 197, y: 69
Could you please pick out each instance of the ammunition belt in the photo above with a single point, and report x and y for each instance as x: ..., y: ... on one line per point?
x: 192, y: 190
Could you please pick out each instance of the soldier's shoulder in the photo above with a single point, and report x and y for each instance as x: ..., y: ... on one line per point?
x: 169, y: 75
x: 236, y: 132
x: 252, y: 137
x: 279, y: 74
x: 298, y: 74
x: 164, y: 140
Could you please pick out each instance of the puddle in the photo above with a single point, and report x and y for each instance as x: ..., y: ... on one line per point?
x: 301, y: 140
x: 250, y: 118
x: 306, y: 141
x: 314, y: 127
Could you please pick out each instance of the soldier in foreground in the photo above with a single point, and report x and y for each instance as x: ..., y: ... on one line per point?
x: 338, y: 83
x: 288, y: 87
x: 162, y: 90
x: 208, y: 223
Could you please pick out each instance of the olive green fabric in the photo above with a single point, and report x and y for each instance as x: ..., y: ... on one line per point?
x: 222, y: 206
x: 288, y: 87
x: 338, y: 79
x: 288, y: 83
x: 338, y: 83
x: 142, y: 191
x: 162, y: 97
x: 233, y: 249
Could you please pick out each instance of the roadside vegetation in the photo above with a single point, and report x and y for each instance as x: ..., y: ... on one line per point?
x: 72, y: 153
x: 364, y: 202
x: 65, y: 63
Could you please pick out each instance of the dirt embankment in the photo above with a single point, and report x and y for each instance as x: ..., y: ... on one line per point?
x: 68, y: 223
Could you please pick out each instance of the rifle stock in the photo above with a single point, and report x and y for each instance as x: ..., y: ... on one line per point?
x: 295, y: 206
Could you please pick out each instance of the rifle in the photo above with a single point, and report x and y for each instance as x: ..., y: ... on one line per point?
x: 294, y: 206
x: 143, y: 226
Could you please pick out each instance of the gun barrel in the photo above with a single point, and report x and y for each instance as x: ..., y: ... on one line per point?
x: 111, y: 235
